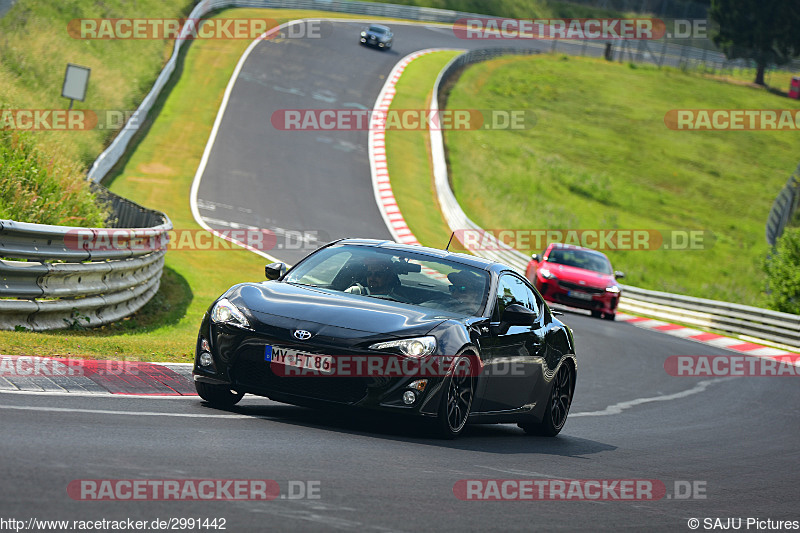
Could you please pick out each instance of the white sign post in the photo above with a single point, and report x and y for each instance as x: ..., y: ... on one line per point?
x: 76, y: 79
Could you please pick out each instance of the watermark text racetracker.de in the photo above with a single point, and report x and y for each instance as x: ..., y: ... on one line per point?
x: 289, y: 363
x: 24, y: 366
x: 402, y: 119
x: 146, y: 240
x: 68, y: 119
x: 733, y: 119
x: 587, y: 29
x: 578, y: 490
x: 732, y: 366
x: 191, y: 29
x: 192, y: 489
x: 597, y: 239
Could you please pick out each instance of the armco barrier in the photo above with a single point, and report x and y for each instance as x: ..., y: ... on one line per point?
x: 670, y: 54
x: 116, y: 149
x: 784, y: 207
x: 782, y: 328
x: 453, y: 213
x: 47, y: 282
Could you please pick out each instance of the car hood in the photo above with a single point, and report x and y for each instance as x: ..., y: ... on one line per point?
x: 332, y: 313
x: 379, y: 36
x: 576, y: 275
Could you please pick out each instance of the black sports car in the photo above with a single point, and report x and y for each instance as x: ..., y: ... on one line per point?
x: 401, y: 329
x: 377, y: 35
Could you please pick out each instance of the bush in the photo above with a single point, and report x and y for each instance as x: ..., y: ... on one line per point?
x: 783, y: 273
x: 41, y: 189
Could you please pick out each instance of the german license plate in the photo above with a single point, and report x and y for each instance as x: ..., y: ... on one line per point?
x: 578, y: 295
x: 309, y: 361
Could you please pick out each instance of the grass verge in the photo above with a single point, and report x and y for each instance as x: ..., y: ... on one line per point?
x: 601, y: 157
x: 42, y: 173
x: 408, y: 154
x: 158, y: 173
x: 35, y: 47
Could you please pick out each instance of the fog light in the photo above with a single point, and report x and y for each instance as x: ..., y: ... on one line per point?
x: 409, y: 397
x: 206, y: 359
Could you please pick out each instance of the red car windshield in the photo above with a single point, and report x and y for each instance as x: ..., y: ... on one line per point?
x: 580, y: 259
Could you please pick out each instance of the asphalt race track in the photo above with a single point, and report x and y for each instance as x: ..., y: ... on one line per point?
x: 306, y: 181
x: 734, y: 439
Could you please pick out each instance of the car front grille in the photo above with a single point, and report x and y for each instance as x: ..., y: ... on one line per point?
x: 252, y: 372
x: 577, y: 287
x: 576, y: 302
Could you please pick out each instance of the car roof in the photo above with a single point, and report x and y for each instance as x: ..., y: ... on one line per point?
x: 562, y: 246
x: 465, y: 259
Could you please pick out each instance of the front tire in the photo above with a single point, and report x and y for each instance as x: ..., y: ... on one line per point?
x: 456, y: 402
x: 558, y: 404
x: 217, y: 395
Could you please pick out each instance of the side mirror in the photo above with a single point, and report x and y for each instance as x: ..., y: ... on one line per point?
x: 619, y: 274
x: 536, y: 257
x: 275, y: 270
x: 517, y: 315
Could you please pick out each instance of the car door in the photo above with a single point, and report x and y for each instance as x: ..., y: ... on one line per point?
x: 513, y: 355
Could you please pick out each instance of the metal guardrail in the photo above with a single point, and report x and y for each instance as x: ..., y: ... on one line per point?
x: 782, y: 328
x: 51, y: 277
x: 106, y: 161
x: 784, y: 207
x: 670, y: 54
x: 724, y: 315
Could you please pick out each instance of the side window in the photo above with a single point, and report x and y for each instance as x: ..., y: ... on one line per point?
x: 512, y: 290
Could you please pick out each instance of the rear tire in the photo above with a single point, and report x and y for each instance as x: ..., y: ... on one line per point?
x: 217, y: 395
x: 596, y: 314
x: 457, y: 395
x: 558, y: 404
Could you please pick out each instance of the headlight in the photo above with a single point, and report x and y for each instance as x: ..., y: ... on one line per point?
x: 363, y: 34
x: 613, y: 289
x: 226, y: 312
x: 546, y: 274
x: 412, y: 347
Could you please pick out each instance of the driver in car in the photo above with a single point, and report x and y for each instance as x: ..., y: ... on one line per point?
x: 467, y: 290
x: 382, y: 280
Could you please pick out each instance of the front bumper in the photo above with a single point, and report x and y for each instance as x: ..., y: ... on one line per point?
x: 239, y: 362
x: 591, y: 298
x: 371, y: 41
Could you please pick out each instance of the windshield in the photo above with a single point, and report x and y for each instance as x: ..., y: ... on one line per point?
x: 378, y: 29
x: 585, y: 259
x: 407, y: 277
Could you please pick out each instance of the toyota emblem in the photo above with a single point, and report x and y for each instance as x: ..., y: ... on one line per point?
x: 301, y: 334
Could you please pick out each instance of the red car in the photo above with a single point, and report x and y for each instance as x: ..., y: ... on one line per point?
x: 577, y: 277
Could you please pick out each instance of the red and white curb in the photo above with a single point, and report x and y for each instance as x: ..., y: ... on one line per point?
x: 376, y: 146
x: 710, y: 339
x: 387, y: 204
x: 90, y: 376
